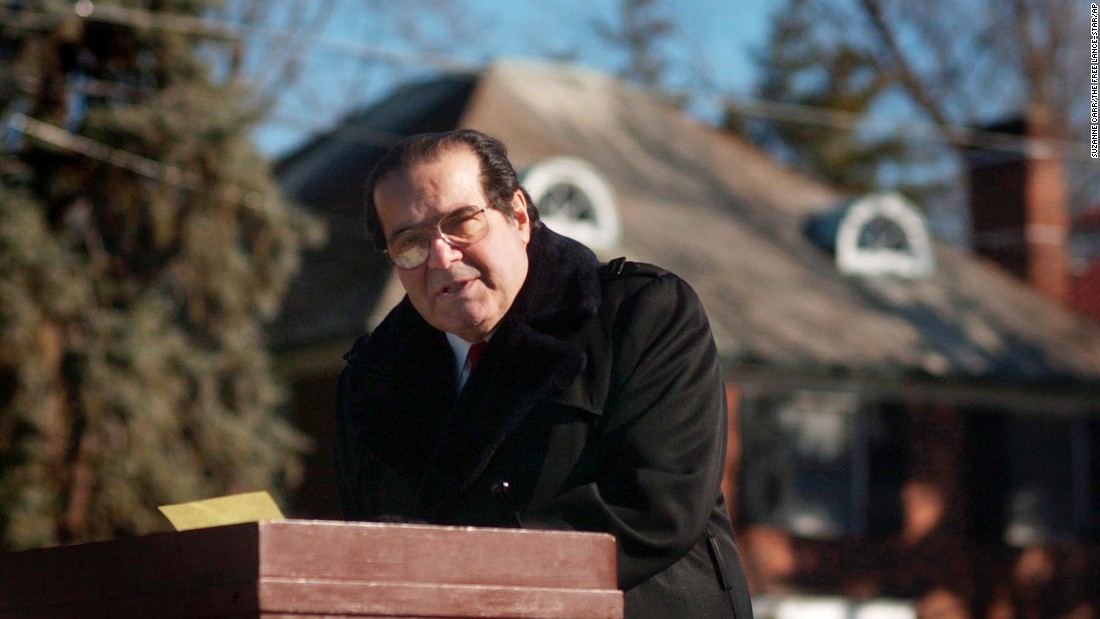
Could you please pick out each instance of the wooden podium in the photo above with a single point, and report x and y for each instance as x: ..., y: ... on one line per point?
x: 304, y: 569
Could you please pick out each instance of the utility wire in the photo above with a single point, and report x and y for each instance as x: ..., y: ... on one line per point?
x: 756, y: 108
x: 126, y: 160
x: 1034, y: 148
x: 63, y: 138
x: 220, y: 30
x: 342, y: 130
x: 770, y: 110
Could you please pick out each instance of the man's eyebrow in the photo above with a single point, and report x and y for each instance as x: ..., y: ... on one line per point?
x: 431, y: 221
x: 404, y: 229
x: 414, y: 226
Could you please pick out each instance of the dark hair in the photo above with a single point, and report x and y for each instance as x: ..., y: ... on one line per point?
x: 499, y: 181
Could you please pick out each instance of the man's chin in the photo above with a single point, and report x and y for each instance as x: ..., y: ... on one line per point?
x: 468, y: 327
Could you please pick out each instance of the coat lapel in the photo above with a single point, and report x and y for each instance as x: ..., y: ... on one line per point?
x: 410, y: 391
x: 529, y: 358
x: 510, y: 379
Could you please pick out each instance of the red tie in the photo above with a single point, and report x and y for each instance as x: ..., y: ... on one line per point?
x: 474, y: 355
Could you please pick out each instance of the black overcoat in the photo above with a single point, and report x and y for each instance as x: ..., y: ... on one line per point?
x: 597, y: 406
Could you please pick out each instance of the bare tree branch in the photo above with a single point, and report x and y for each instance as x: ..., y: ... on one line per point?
x: 900, y: 66
x: 291, y: 63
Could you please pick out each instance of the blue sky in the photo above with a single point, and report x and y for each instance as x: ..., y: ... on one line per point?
x: 710, y: 51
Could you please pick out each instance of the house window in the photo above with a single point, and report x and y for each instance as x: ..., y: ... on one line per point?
x: 876, y: 235
x: 1034, y: 477
x: 884, y: 235
x: 826, y: 465
x: 819, y: 464
x: 574, y: 199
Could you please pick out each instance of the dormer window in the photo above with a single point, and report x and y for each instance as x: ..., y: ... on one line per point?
x: 574, y: 199
x: 881, y: 234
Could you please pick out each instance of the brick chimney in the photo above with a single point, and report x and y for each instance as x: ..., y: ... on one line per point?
x: 1019, y: 205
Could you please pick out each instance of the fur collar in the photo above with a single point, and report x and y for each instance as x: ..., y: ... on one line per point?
x: 562, y: 284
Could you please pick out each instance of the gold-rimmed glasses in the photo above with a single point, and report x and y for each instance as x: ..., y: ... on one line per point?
x: 460, y: 228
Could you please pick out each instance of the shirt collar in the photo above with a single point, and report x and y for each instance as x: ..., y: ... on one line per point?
x: 459, y: 347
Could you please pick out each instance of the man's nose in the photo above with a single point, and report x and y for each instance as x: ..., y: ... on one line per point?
x: 441, y: 254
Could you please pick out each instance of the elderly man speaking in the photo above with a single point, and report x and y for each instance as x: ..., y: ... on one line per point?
x: 521, y: 383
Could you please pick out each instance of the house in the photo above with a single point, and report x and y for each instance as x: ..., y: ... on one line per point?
x: 1084, y: 243
x: 1020, y: 219
x: 883, y: 385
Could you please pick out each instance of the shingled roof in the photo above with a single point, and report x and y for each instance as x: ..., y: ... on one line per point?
x: 710, y: 207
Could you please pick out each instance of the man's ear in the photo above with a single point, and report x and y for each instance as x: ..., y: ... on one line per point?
x: 520, y: 216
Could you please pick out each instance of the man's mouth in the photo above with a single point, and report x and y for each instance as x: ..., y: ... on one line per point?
x: 454, y: 287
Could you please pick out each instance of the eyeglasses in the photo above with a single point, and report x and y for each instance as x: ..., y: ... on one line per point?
x: 460, y: 228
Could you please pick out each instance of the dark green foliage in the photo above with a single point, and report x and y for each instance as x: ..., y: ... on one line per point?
x: 640, y: 33
x: 892, y: 94
x: 143, y: 245
x: 828, y: 85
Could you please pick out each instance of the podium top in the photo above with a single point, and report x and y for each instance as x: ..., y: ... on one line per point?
x: 321, y: 567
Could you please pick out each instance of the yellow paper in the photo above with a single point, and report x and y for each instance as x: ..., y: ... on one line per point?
x: 231, y: 509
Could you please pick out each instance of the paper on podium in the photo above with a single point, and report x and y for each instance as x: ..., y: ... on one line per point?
x: 230, y: 509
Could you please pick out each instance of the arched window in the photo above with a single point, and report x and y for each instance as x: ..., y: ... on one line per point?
x: 574, y: 199
x: 881, y: 234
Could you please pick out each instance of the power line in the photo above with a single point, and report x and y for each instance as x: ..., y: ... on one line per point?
x: 1035, y: 148
x: 757, y: 108
x: 143, y: 166
x: 106, y: 88
x: 771, y: 110
x: 25, y: 19
x: 63, y: 138
x: 220, y: 30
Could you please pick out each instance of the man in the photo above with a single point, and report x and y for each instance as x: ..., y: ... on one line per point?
x: 597, y: 404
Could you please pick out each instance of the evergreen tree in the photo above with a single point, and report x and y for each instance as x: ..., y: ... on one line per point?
x: 824, y: 87
x: 891, y: 94
x: 639, y: 33
x: 143, y: 245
